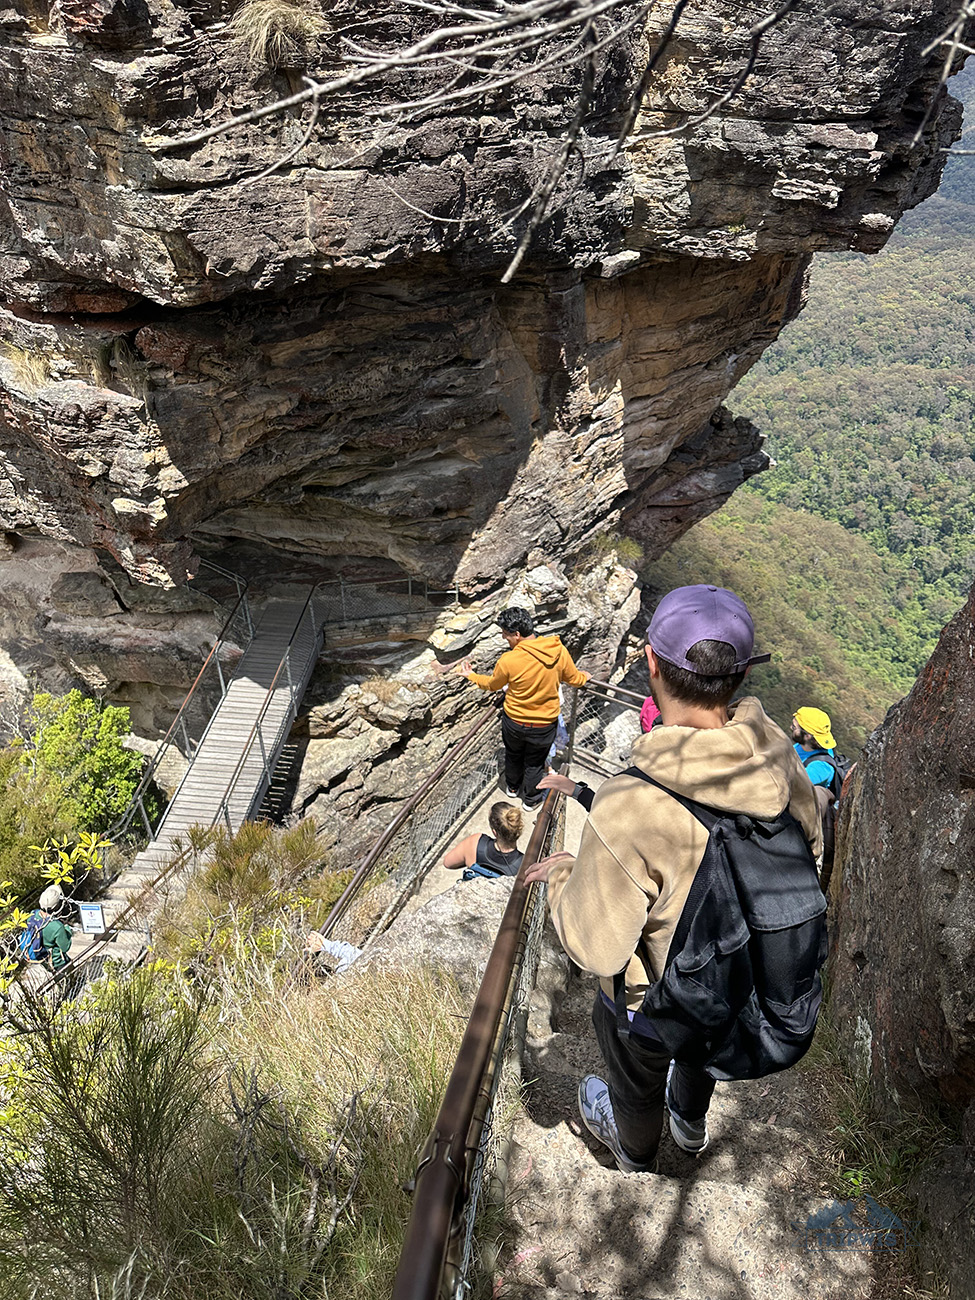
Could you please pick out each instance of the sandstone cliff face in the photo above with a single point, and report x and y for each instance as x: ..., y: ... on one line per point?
x: 322, y: 363
x: 903, y: 942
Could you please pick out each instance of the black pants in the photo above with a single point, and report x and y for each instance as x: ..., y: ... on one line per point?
x: 525, y: 751
x: 636, y: 1072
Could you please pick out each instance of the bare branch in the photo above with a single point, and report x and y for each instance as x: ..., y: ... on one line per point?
x: 951, y: 38
x: 757, y: 34
x: 480, y: 50
x: 544, y: 194
x: 292, y: 153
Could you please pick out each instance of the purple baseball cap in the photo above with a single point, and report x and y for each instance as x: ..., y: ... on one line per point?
x: 687, y: 615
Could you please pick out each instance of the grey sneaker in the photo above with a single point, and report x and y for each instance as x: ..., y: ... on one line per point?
x: 596, y: 1110
x: 690, y: 1135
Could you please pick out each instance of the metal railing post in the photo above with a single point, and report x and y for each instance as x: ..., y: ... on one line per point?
x: 573, y: 714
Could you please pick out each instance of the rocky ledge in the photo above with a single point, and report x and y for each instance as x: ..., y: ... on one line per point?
x: 291, y: 345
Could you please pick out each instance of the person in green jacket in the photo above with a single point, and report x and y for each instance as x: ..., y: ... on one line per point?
x: 55, y: 935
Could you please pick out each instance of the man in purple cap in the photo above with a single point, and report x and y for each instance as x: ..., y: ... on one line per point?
x: 617, y: 903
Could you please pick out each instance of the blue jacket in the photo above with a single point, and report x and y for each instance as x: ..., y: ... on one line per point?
x: 819, y: 773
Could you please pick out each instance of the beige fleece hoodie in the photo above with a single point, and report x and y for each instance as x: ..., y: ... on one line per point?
x: 640, y: 849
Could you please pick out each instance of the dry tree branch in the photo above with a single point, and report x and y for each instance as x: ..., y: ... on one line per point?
x: 951, y: 37
x: 292, y: 153
x: 757, y: 34
x: 543, y: 195
x: 490, y: 37
x: 479, y: 50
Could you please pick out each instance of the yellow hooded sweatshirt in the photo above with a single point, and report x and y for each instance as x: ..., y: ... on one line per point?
x: 532, y: 672
x: 640, y: 849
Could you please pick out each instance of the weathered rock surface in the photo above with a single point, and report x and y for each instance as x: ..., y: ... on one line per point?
x: 324, y: 358
x: 904, y: 924
x: 319, y: 370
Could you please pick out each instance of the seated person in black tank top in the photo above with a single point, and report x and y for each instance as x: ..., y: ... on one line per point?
x: 490, y: 855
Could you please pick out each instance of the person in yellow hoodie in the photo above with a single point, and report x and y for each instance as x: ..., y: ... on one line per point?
x: 531, y: 669
x: 616, y: 904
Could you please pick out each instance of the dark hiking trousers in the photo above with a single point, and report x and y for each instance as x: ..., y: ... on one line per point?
x: 636, y: 1073
x: 525, y: 751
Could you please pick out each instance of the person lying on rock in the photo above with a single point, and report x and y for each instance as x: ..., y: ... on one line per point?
x: 617, y: 903
x: 496, y: 854
x: 531, y: 669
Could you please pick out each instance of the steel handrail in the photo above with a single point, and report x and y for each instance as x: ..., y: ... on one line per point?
x: 240, y: 583
x: 442, y: 1177
x: 601, y: 689
x: 368, y: 862
x: 126, y: 819
x: 223, y: 808
x: 114, y: 927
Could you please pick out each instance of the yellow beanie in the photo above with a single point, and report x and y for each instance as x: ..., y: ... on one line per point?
x: 817, y: 723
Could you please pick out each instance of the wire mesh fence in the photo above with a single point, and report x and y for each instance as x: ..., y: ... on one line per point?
x: 602, y: 720
x: 421, y: 840
x: 504, y: 1057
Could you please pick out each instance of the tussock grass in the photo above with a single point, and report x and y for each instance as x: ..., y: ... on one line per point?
x: 247, y: 1144
x: 384, y: 688
x: 627, y: 549
x: 276, y: 32
x: 226, y: 1123
x: 253, y: 884
x: 869, y: 1151
x: 32, y: 370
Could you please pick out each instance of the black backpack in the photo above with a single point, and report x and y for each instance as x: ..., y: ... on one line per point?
x: 838, y: 762
x: 741, y: 990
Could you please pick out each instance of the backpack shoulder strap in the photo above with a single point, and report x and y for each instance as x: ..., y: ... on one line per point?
x: 821, y: 756
x: 699, y: 887
x: 706, y: 815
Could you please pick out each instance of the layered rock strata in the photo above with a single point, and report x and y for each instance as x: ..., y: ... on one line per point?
x: 258, y: 343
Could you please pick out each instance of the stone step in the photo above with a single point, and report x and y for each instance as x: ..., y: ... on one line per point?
x: 581, y: 1229
x: 763, y: 1120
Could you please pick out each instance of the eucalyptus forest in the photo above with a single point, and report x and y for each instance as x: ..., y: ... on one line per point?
x: 858, y: 546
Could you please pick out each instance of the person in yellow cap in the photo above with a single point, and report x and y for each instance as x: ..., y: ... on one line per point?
x: 813, y: 736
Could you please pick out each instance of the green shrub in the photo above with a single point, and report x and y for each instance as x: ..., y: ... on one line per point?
x: 31, y: 810
x: 153, y: 1148
x: 76, y: 744
x: 245, y: 887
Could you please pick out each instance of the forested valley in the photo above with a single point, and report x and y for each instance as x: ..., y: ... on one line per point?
x: 856, y: 549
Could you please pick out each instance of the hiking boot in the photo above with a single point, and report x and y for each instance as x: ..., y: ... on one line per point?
x: 691, y: 1135
x: 596, y: 1110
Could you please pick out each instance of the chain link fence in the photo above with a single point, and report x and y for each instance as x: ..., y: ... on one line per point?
x: 602, y: 720
x: 432, y: 829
